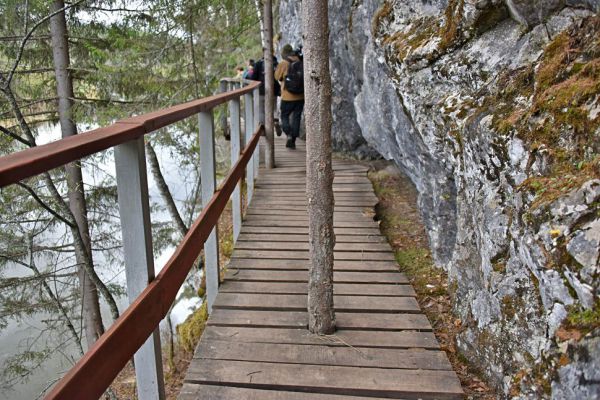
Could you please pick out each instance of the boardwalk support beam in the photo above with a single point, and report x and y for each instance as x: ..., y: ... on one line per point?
x: 132, y: 190
x: 249, y: 127
x: 208, y: 176
x: 236, y: 198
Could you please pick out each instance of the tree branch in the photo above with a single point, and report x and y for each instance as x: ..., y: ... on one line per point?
x: 15, y: 136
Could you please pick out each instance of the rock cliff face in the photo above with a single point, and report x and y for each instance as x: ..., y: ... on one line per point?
x: 492, y: 108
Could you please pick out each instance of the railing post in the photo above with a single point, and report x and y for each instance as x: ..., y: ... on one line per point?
x: 249, y: 126
x: 132, y: 191
x: 208, y: 176
x: 257, y: 120
x: 236, y: 197
x: 223, y: 120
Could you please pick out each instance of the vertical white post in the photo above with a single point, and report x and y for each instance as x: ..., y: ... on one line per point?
x: 132, y: 191
x: 236, y: 196
x: 257, y: 121
x: 223, y: 119
x: 249, y: 125
x: 208, y: 176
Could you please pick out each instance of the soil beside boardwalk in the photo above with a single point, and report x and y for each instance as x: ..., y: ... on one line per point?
x: 401, y: 223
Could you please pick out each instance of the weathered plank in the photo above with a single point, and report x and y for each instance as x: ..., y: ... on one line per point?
x: 391, y: 383
x: 323, y: 355
x: 355, y: 289
x: 300, y: 230
x: 352, y: 247
x: 342, y: 303
x: 302, y: 276
x: 340, y: 239
x: 272, y: 222
x: 341, y: 338
x: 303, y: 255
x: 299, y: 320
x: 302, y: 265
x: 194, y: 391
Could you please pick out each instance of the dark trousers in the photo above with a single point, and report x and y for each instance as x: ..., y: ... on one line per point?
x: 291, y: 114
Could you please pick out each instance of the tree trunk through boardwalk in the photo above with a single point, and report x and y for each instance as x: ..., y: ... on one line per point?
x: 88, y: 291
x: 319, y: 171
x: 269, y: 85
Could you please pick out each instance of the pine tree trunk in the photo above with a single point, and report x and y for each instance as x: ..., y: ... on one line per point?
x: 269, y: 85
x: 88, y: 291
x: 319, y: 171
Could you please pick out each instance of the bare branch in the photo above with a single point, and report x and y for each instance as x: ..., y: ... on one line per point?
x: 45, y: 206
x: 15, y: 136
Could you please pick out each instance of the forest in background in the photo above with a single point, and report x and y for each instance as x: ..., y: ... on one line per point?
x: 125, y: 58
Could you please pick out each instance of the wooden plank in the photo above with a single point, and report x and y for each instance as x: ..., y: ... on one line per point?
x: 340, y: 239
x: 343, y: 338
x: 342, y: 303
x: 193, y: 391
x: 302, y: 213
x: 302, y: 265
x: 366, y: 203
x: 300, y: 230
x: 299, y: 320
x: 301, y: 189
x: 285, y: 222
x: 322, y: 355
x: 354, y: 289
x: 303, y: 216
x: 303, y: 255
x: 301, y: 276
x: 352, y: 247
x: 391, y: 383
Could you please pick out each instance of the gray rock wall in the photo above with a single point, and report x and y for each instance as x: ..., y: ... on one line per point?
x: 416, y: 90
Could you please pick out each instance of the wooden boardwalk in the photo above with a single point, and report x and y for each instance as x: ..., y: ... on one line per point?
x: 256, y: 345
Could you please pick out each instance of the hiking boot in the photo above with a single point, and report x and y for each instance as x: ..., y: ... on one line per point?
x: 290, y: 143
x: 293, y: 144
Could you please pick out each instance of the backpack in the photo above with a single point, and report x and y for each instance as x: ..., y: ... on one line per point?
x: 294, y: 80
x: 259, y: 75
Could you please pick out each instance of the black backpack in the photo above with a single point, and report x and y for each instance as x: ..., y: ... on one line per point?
x: 294, y: 81
x: 259, y: 75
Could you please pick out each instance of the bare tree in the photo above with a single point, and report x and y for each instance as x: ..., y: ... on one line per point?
x: 319, y: 171
x: 60, y: 52
x: 269, y: 84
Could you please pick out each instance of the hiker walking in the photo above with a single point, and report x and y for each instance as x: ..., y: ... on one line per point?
x: 290, y: 73
x: 259, y: 75
x: 249, y: 72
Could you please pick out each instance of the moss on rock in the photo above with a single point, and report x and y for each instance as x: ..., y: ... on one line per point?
x: 190, y: 331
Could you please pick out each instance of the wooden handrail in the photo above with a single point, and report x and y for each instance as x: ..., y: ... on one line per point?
x: 94, y: 373
x: 33, y: 161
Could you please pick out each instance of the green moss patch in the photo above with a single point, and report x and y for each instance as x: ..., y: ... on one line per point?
x: 190, y: 331
x: 584, y: 320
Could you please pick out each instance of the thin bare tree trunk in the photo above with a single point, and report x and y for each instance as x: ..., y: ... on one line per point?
x: 269, y: 85
x: 257, y: 4
x: 165, y: 193
x: 319, y: 171
x: 60, y: 51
